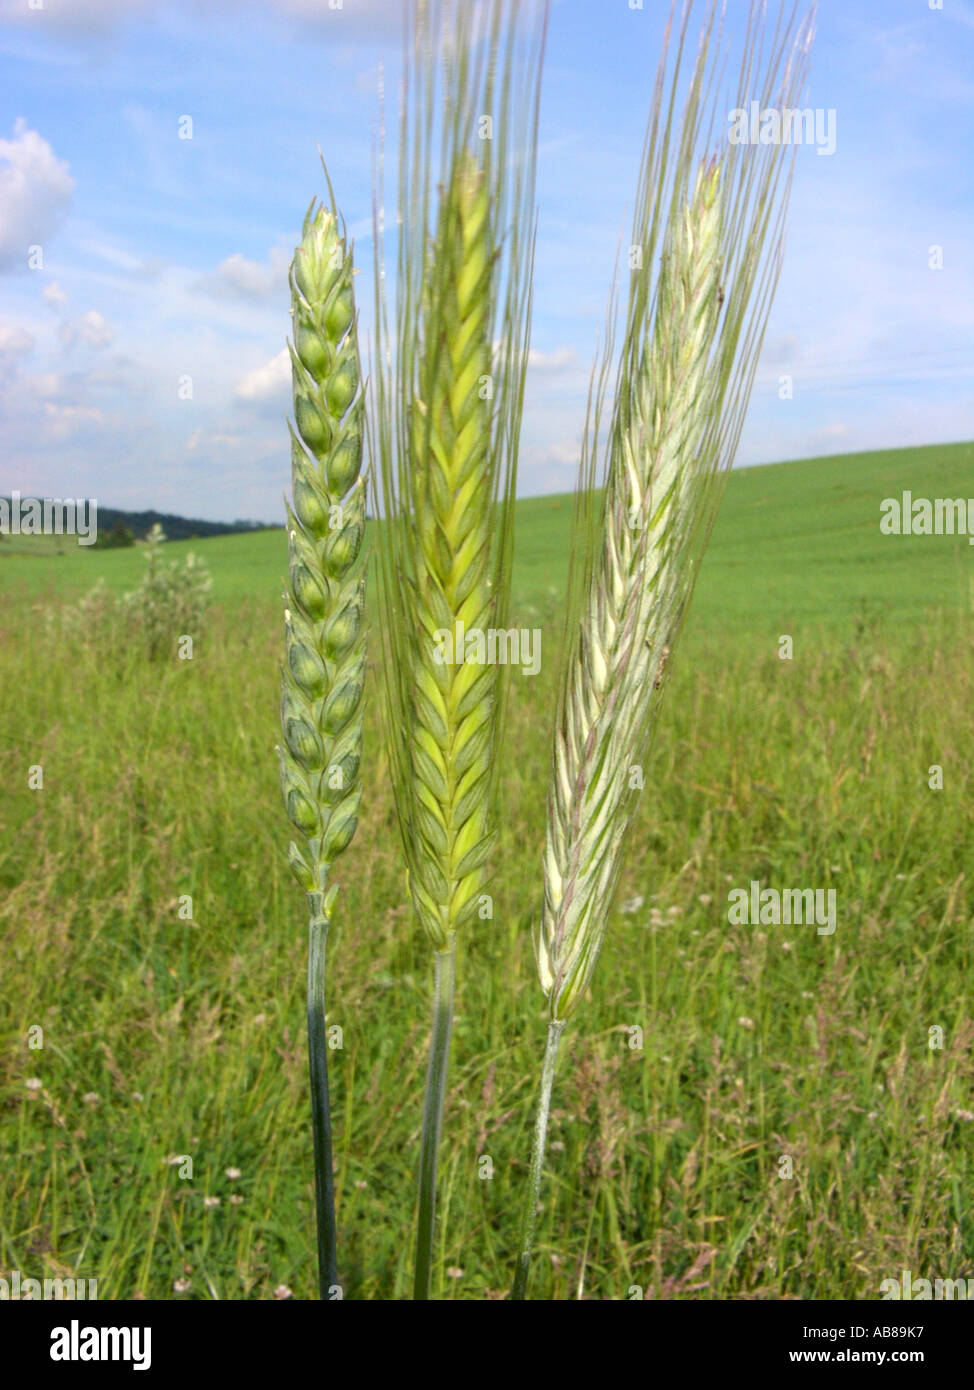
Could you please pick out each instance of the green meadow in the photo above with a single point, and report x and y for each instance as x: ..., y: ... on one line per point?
x: 741, y: 1111
x: 795, y: 543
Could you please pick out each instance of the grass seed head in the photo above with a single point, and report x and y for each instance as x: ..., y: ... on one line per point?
x: 321, y: 697
x: 691, y: 343
x: 449, y: 398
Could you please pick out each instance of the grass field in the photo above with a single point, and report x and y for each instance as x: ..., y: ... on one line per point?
x: 166, y: 1037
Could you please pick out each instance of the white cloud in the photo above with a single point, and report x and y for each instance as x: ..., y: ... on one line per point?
x: 69, y: 413
x: 211, y: 439
x: 345, y: 19
x: 547, y: 467
x: 263, y: 383
x: 44, y: 384
x: 350, y: 22
x: 14, y: 341
x: 78, y: 17
x: 138, y: 267
x: 65, y: 420
x: 91, y: 329
x: 35, y: 189
x: 53, y: 294
x: 245, y: 279
x: 553, y: 361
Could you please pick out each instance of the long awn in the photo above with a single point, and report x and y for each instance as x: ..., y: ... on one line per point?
x: 449, y: 397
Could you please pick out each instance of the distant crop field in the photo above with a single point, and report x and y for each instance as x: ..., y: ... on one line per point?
x: 150, y: 930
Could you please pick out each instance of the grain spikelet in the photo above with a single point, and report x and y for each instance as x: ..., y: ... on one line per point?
x: 321, y: 700
x: 449, y: 400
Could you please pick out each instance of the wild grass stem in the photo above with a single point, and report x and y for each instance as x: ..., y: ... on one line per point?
x: 529, y: 1214
x: 320, y: 1105
x: 444, y: 980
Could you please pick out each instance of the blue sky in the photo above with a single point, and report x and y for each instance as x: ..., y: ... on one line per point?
x: 166, y: 257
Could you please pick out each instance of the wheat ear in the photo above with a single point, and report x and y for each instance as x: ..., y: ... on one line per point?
x: 321, y: 700
x: 449, y: 409
x: 625, y: 639
x: 684, y: 380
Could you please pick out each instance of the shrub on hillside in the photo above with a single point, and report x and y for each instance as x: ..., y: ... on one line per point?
x: 117, y: 538
x: 168, y: 604
x: 170, y: 601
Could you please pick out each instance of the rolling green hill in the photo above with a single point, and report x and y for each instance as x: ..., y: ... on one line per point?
x: 795, y: 544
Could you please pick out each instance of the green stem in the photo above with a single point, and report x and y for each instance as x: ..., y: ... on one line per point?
x: 320, y: 1109
x: 530, y: 1212
x: 444, y: 977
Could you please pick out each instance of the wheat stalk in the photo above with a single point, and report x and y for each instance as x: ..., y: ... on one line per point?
x: 690, y: 348
x: 449, y: 408
x: 321, y: 698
